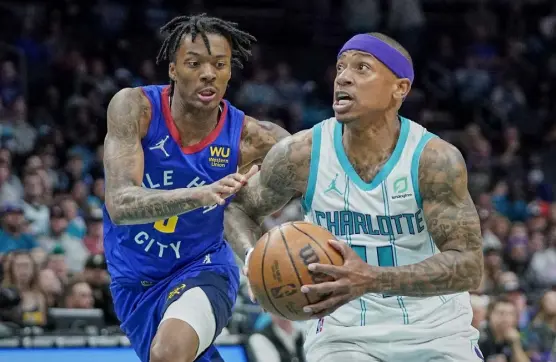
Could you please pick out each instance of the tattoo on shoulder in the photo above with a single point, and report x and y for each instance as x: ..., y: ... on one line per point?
x: 286, y: 166
x: 283, y: 175
x: 257, y: 138
x: 123, y: 161
x: 126, y: 111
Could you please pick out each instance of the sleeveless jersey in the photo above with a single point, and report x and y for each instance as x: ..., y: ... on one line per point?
x: 151, y: 252
x: 382, y: 220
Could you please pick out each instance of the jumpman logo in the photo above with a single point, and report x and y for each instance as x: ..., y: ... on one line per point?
x: 207, y: 259
x: 333, y: 187
x: 160, y: 146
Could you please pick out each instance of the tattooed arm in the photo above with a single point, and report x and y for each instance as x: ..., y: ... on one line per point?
x: 453, y: 224
x: 257, y: 138
x: 283, y: 175
x: 127, y: 201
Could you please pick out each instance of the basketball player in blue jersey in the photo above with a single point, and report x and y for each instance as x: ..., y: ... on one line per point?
x: 172, y: 155
x: 395, y: 196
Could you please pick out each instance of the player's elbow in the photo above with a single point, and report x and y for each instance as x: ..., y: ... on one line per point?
x: 115, y: 211
x: 474, y: 269
x: 478, y: 276
x: 236, y: 210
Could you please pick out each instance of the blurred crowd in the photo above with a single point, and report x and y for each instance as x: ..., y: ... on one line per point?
x: 486, y: 81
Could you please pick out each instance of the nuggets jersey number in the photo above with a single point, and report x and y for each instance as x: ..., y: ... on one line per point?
x: 381, y: 220
x: 150, y: 252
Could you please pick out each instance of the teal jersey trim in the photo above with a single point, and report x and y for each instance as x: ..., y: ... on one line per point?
x: 415, y: 166
x: 388, y: 166
x: 307, y: 200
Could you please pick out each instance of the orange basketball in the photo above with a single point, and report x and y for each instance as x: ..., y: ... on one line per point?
x: 278, y: 267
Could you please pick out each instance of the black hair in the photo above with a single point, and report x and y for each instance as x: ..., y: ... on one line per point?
x: 394, y: 44
x: 202, y: 25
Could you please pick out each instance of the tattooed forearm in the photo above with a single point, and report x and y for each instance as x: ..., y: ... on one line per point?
x: 283, y: 174
x: 240, y: 230
x: 454, y: 226
x: 127, y: 202
x: 138, y: 205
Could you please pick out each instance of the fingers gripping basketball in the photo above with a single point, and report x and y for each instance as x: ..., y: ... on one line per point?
x: 278, y: 267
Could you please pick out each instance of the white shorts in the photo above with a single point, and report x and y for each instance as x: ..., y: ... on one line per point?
x: 455, y: 340
x: 194, y: 308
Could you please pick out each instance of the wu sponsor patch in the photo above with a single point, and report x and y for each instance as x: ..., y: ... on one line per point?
x: 219, y: 156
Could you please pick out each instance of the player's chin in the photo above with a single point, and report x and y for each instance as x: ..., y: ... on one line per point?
x: 345, y: 117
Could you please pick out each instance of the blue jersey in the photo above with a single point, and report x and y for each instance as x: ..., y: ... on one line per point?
x: 148, y: 253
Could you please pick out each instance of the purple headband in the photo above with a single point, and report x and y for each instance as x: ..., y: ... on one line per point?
x: 389, y: 56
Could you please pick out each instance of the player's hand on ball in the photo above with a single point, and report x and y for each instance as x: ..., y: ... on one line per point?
x: 219, y: 191
x: 349, y: 283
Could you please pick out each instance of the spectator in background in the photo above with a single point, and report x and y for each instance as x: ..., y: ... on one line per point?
x: 502, y: 336
x: 93, y: 240
x: 479, y: 304
x: 80, y: 194
x: 257, y: 91
x: 12, y: 236
x: 76, y: 226
x: 8, y: 191
x: 494, y: 266
x: 509, y: 285
x: 10, y: 83
x: 540, y: 334
x: 22, y: 133
x: 508, y: 200
x: 75, y: 251
x: 56, y: 261
x: 76, y: 169
x: 23, y: 275
x: 79, y: 295
x: 289, y: 89
x: 51, y: 287
x: 34, y: 165
x: 97, y: 276
x: 96, y: 199
x: 279, y: 341
x: 36, y: 212
x: 542, y: 269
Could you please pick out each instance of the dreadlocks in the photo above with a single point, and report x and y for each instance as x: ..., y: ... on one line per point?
x: 202, y: 25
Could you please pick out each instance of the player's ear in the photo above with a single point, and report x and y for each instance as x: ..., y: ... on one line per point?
x: 401, y: 88
x: 172, y: 71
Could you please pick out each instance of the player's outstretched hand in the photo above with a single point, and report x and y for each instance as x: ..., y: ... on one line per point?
x: 219, y: 191
x: 349, y: 283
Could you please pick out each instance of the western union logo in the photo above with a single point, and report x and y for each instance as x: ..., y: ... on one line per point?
x: 219, y: 151
x: 219, y: 156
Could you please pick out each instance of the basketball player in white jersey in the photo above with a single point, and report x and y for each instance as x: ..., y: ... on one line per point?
x: 396, y: 197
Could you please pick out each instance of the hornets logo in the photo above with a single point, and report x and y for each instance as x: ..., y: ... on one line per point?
x: 219, y: 156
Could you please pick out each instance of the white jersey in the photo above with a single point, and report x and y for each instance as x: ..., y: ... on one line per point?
x: 381, y: 220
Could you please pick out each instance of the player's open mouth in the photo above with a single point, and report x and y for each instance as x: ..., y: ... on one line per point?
x: 206, y: 94
x: 342, y: 101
